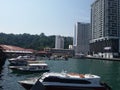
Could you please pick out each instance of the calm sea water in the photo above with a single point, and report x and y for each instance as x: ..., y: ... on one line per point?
x: 108, y: 70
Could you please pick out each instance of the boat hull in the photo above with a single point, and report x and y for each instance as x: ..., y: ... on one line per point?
x: 26, y: 86
x: 17, y: 70
x: 73, y: 88
x: 47, y: 87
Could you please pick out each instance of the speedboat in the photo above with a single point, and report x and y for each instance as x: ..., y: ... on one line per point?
x: 31, y: 68
x: 65, y: 81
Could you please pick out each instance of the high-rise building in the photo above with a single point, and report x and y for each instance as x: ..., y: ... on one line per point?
x: 59, y: 42
x: 105, y: 27
x: 81, y: 38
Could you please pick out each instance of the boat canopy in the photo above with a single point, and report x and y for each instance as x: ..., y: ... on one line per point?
x: 38, y: 64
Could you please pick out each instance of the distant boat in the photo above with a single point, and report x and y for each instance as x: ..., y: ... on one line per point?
x: 80, y: 56
x: 64, y: 81
x: 58, y: 58
x: 31, y: 68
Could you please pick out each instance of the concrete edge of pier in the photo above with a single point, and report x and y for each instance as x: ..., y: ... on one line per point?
x: 107, y: 59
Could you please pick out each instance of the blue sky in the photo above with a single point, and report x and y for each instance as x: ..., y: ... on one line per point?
x: 52, y: 17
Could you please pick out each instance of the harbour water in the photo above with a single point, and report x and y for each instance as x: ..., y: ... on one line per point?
x: 108, y: 70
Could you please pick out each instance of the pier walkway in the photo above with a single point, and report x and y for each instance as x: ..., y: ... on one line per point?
x: 108, y: 59
x: 12, y: 51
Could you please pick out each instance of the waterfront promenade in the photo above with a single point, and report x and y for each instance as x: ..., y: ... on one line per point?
x: 108, y: 59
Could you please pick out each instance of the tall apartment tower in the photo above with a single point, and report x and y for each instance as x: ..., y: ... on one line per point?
x: 105, y: 28
x: 59, y: 42
x: 81, y: 38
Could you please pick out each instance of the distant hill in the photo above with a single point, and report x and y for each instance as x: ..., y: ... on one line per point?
x: 37, y: 42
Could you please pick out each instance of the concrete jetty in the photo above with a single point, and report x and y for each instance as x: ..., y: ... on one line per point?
x: 108, y: 59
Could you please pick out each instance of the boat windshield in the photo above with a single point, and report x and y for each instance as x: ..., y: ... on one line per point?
x: 65, y: 80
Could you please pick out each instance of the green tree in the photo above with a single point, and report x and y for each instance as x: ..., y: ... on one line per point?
x: 37, y: 42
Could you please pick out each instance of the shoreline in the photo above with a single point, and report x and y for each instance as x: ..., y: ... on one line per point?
x: 107, y: 59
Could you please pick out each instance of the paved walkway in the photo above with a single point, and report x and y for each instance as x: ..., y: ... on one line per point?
x: 109, y: 59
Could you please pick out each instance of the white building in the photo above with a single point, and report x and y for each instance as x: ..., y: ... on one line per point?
x: 59, y: 42
x: 81, y: 38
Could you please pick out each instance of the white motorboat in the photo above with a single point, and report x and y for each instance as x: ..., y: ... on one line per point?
x: 31, y: 68
x: 65, y: 81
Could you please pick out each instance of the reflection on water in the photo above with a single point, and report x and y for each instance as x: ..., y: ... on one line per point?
x: 108, y: 70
